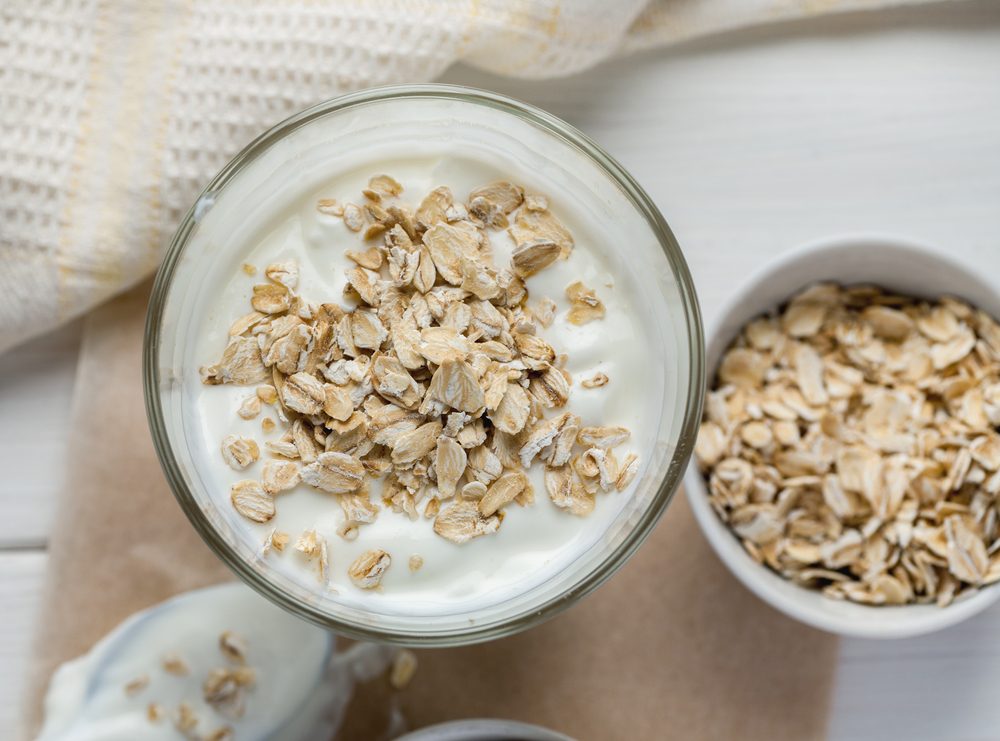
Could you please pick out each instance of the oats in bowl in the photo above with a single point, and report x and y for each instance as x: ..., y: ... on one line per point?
x: 850, y: 443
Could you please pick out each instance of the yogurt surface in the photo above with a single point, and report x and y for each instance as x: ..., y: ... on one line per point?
x: 534, y: 542
x: 301, y: 684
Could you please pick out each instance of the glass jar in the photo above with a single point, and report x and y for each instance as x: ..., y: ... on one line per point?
x: 299, y: 154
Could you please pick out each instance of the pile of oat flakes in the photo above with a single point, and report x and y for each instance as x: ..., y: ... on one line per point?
x: 435, y: 378
x: 851, y: 443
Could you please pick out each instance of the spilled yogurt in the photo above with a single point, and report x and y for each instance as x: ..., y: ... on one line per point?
x: 301, y: 686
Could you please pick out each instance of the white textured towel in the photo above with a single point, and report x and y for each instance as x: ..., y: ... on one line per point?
x: 114, y: 113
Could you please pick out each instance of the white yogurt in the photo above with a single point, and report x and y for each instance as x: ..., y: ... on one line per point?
x: 302, y: 685
x: 533, y: 542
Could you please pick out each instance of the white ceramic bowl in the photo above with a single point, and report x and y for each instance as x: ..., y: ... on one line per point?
x: 894, y: 263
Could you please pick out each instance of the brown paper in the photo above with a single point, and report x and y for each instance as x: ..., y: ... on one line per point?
x: 120, y: 541
x: 670, y: 647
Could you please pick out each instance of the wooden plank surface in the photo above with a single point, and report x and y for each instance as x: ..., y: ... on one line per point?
x: 21, y: 577
x: 36, y: 390
x: 941, y: 686
x: 751, y: 144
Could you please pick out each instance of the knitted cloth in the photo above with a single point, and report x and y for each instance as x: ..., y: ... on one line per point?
x: 114, y: 113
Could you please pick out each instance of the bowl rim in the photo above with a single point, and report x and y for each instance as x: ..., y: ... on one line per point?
x: 484, y: 729
x: 759, y: 579
x: 682, y: 451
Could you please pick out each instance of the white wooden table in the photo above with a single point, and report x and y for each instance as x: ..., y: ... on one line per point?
x: 750, y: 143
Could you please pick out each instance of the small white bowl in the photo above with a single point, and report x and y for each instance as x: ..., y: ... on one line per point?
x: 896, y: 264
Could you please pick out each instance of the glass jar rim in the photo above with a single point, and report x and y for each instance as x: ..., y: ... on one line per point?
x: 471, y: 633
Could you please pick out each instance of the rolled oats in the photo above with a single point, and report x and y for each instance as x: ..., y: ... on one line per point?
x: 628, y: 469
x: 270, y: 298
x: 337, y: 473
x: 412, y: 446
x: 279, y: 476
x: 284, y: 273
x: 450, y: 463
x: 223, y: 689
x: 245, y: 323
x: 602, y: 437
x: 249, y: 408
x: 476, y: 490
x: 239, y: 452
x: 251, y: 501
x: 566, y: 492
x: 535, y: 255
x: 185, y: 720
x: 353, y: 217
x: 223, y: 693
x: 585, y: 306
x: 501, y: 492
x: 174, y: 664
x: 277, y: 540
x: 461, y: 521
x: 368, y: 569
x: 136, y: 685
x: 541, y: 224
x: 436, y: 380
x: 241, y: 363
x: 233, y: 646
x: 382, y: 186
x: 330, y: 207
x: 404, y: 666
x: 512, y: 412
x: 304, y: 393
x: 849, y: 443
x: 491, y: 203
x: 313, y: 547
x: 545, y: 311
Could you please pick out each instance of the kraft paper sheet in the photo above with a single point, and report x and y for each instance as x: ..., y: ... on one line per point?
x: 671, y: 647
